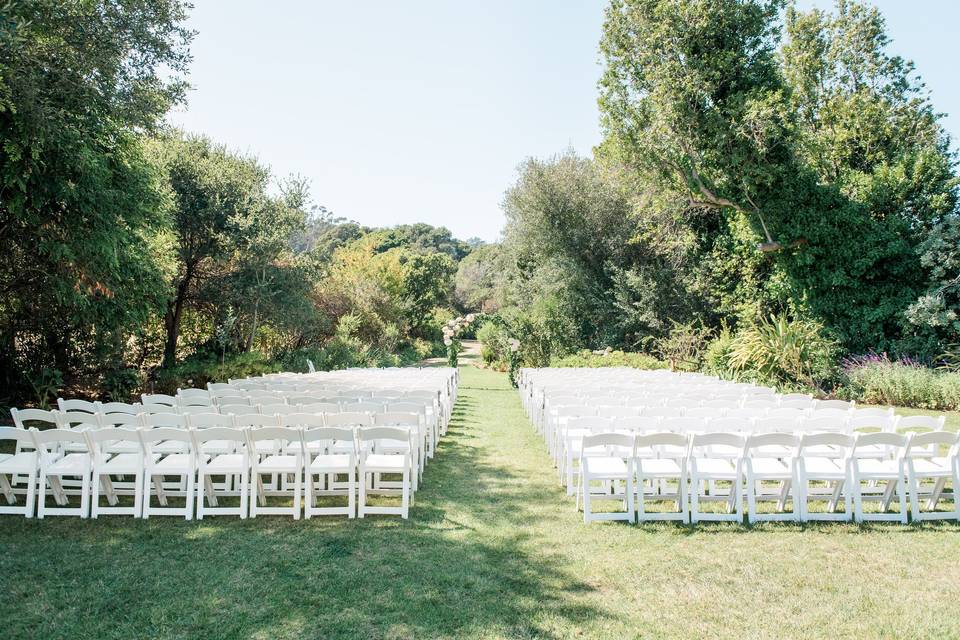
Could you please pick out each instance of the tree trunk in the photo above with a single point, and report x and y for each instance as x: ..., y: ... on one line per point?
x: 172, y: 321
x: 253, y: 327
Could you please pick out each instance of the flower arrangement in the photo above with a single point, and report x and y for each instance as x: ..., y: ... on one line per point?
x: 451, y: 336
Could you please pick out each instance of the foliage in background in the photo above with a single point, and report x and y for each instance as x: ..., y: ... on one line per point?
x: 613, y: 358
x: 876, y: 379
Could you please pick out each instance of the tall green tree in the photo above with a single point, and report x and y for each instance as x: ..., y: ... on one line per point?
x: 79, y: 205
x: 693, y: 99
x: 217, y: 197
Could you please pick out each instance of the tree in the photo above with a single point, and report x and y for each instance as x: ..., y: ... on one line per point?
x: 217, y: 196
x: 693, y: 100
x: 80, y: 208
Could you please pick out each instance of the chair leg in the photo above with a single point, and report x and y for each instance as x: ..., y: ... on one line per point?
x: 901, y: 489
x: 188, y: 503
x: 296, y: 495
x: 351, y: 494
x: 244, y: 494
x: 32, y: 489
x: 201, y: 489
x: 138, y: 494
x: 95, y: 497
x: 42, y: 497
x: 405, y: 500
x: 363, y: 493
x: 85, y: 495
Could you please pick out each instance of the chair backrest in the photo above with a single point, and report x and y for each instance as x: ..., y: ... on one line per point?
x: 408, y: 407
x: 814, y: 423
x: 228, y: 400
x: 761, y: 402
x: 655, y: 442
x: 160, y: 420
x: 730, y: 425
x: 921, y: 423
x: 716, y: 442
x: 108, y: 420
x: 209, y: 420
x: 331, y: 435
x: 21, y: 417
x: 683, y: 425
x: 396, y: 418
x: 279, y: 409
x: 303, y: 420
x: 149, y: 437
x: 892, y: 444
x: 75, y: 419
x: 368, y: 407
x: 616, y: 411
x: 874, y: 412
x: 874, y: 422
x: 775, y: 425
x: 747, y: 412
x: 637, y: 424
x: 227, y: 409
x: 158, y: 398
x: 843, y: 405
x: 298, y: 399
x: 282, y: 436
x: 50, y: 439
x: 157, y: 408
x: 605, y: 444
x: 349, y: 419
x: 20, y: 436
x: 249, y: 420
x: 760, y: 444
x: 320, y: 407
x: 824, y: 439
x: 796, y: 403
x: 78, y: 405
x: 591, y: 423
x: 97, y: 437
x: 662, y: 412
x: 703, y: 412
x: 121, y: 407
x: 220, y: 434
x: 374, y: 435
x: 786, y: 414
x: 920, y: 444
x: 217, y: 387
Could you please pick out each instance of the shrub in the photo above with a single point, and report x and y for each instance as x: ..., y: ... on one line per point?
x: 197, y: 372
x: 594, y: 359
x: 875, y: 379
x: 785, y: 353
x: 684, y: 346
x: 716, y: 357
x: 119, y: 383
x: 494, y: 343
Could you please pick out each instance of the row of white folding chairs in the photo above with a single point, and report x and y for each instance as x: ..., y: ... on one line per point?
x: 103, y: 459
x: 405, y: 415
x: 688, y: 470
x: 571, y: 430
x: 556, y: 417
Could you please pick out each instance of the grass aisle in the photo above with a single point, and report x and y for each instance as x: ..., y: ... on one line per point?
x: 493, y: 549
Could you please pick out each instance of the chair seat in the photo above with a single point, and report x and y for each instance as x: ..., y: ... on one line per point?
x: 168, y: 446
x: 23, y: 462
x: 122, y: 446
x: 123, y: 463
x: 604, y: 466
x: 933, y: 467
x: 278, y: 463
x: 176, y: 464
x: 658, y: 467
x: 331, y: 462
x: 770, y: 467
x: 823, y: 451
x: 218, y: 446
x: 723, y: 469
x: 227, y: 463
x: 70, y: 464
x: 886, y: 468
x: 820, y: 467
x: 384, y: 462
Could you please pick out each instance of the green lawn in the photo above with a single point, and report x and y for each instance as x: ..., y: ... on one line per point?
x: 493, y: 549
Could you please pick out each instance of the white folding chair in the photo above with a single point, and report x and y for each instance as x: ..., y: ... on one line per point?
x: 158, y: 398
x: 939, y: 468
x: 842, y: 405
x: 177, y: 458
x: 116, y: 452
x: 78, y: 405
x: 373, y: 461
x: 329, y: 452
x: 764, y: 461
x: 656, y: 460
x: 277, y: 451
x: 890, y: 469
x: 712, y: 458
x: 228, y: 457
x: 55, y: 465
x: 607, y: 458
x: 22, y: 463
x: 812, y: 465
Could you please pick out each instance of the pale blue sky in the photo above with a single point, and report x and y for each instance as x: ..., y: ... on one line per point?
x: 421, y: 110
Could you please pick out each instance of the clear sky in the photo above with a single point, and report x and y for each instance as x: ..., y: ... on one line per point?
x: 421, y: 111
